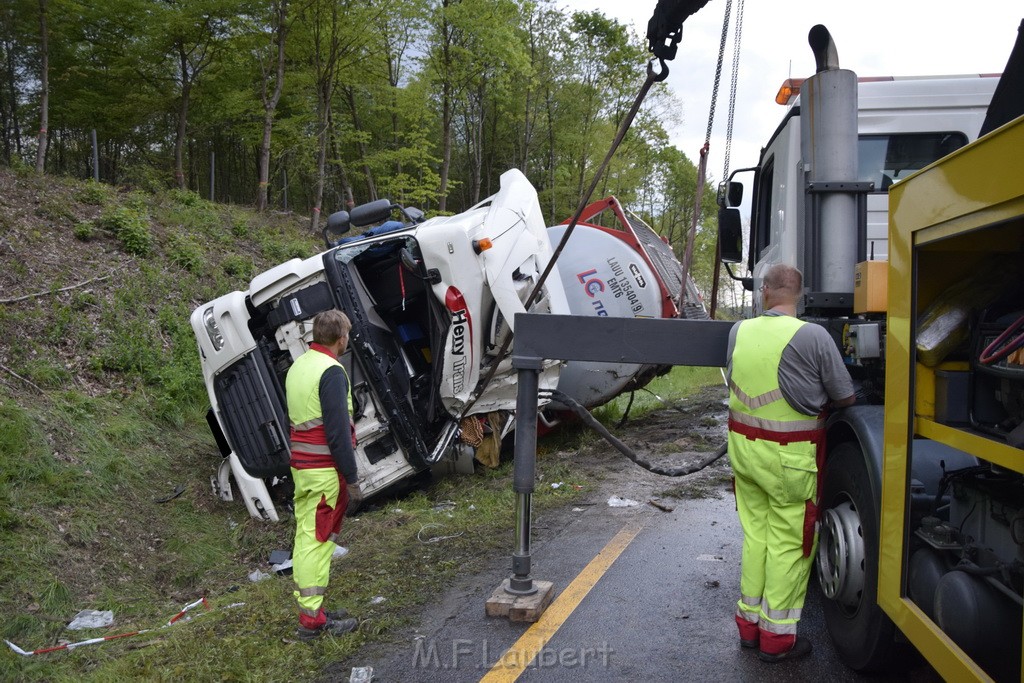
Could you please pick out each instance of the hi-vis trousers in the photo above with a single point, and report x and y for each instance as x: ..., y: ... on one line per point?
x: 776, y: 491
x: 320, y: 501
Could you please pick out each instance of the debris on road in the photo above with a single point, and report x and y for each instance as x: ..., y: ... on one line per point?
x: 710, y: 558
x: 661, y: 506
x: 361, y: 674
x: 433, y: 539
x: 617, y: 502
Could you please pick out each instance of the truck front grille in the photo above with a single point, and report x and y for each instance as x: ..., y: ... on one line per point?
x: 253, y: 417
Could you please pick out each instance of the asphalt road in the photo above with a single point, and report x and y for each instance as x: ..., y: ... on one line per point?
x: 663, y: 611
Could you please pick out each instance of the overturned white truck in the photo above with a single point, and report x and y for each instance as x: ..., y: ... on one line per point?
x: 431, y: 303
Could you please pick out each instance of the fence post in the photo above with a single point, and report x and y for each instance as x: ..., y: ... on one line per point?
x: 284, y: 172
x: 95, y: 158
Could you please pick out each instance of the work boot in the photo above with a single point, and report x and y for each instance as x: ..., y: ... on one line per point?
x: 753, y: 642
x: 336, y: 614
x: 332, y: 627
x: 801, y: 648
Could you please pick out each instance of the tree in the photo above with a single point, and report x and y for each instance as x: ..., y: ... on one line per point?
x: 44, y: 88
x: 280, y: 10
x: 332, y: 46
x: 187, y: 34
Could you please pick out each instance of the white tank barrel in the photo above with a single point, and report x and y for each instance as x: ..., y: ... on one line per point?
x: 603, y: 276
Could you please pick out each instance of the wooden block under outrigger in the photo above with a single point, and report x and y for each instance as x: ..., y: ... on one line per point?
x: 520, y: 607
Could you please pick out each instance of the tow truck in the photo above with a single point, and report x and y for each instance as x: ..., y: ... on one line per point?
x: 922, y: 523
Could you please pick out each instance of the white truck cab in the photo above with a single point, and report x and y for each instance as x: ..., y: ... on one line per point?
x: 431, y: 304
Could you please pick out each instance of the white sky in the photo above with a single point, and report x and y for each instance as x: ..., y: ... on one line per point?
x: 890, y: 38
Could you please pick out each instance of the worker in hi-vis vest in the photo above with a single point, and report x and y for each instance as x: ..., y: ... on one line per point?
x: 323, y: 467
x: 782, y: 374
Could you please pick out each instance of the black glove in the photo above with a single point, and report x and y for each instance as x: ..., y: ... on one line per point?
x: 355, y: 499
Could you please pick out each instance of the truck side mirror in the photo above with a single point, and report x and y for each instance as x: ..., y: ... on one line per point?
x: 414, y: 215
x: 735, y: 193
x: 338, y: 223
x: 730, y: 235
x: 373, y: 212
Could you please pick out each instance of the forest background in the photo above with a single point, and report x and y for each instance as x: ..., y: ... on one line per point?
x: 313, y: 106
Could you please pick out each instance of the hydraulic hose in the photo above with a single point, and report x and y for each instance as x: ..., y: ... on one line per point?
x: 593, y: 423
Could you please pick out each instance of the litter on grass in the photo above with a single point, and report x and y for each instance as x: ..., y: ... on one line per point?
x: 258, y: 575
x: 180, y: 616
x: 91, y: 618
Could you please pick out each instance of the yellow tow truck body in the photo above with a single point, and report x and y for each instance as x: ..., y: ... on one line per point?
x: 961, y: 214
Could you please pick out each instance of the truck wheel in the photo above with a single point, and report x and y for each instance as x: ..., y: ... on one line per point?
x: 848, y: 563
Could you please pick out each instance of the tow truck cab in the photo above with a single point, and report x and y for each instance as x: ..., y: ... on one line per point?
x: 896, y: 125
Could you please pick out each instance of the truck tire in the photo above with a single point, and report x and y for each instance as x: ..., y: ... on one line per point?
x: 847, y: 563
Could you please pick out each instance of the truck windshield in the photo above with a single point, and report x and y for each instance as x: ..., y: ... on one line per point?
x: 885, y: 159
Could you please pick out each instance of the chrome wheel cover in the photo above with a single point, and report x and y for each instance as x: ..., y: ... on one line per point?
x: 841, y: 561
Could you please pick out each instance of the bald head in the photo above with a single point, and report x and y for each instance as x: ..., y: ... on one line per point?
x: 782, y: 285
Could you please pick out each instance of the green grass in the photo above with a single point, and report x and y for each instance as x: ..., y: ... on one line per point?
x: 405, y: 551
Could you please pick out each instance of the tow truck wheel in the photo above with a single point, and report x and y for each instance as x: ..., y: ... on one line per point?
x: 848, y: 563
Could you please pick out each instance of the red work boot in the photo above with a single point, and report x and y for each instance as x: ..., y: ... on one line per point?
x: 331, y: 627
x: 801, y: 648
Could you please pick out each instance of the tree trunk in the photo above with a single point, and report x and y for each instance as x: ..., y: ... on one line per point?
x: 395, y: 128
x: 7, y: 115
x: 371, y: 185
x: 14, y: 101
x: 446, y: 114
x: 270, y: 106
x: 549, y: 106
x: 179, y: 136
x: 346, y: 184
x: 321, y: 156
x: 475, y: 141
x: 44, y: 99
x: 446, y: 148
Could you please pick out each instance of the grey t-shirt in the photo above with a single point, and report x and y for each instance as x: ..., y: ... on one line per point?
x: 811, y: 370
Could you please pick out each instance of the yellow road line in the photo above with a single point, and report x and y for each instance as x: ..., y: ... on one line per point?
x: 513, y: 662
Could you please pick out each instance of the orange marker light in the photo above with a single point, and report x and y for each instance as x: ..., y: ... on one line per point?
x: 790, y: 88
x: 482, y: 245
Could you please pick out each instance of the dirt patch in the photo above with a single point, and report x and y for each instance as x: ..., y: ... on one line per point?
x: 682, y: 434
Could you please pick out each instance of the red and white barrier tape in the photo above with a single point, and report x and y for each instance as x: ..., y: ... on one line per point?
x: 92, y: 641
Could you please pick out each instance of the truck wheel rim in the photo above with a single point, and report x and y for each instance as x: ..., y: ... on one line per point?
x: 841, y: 555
